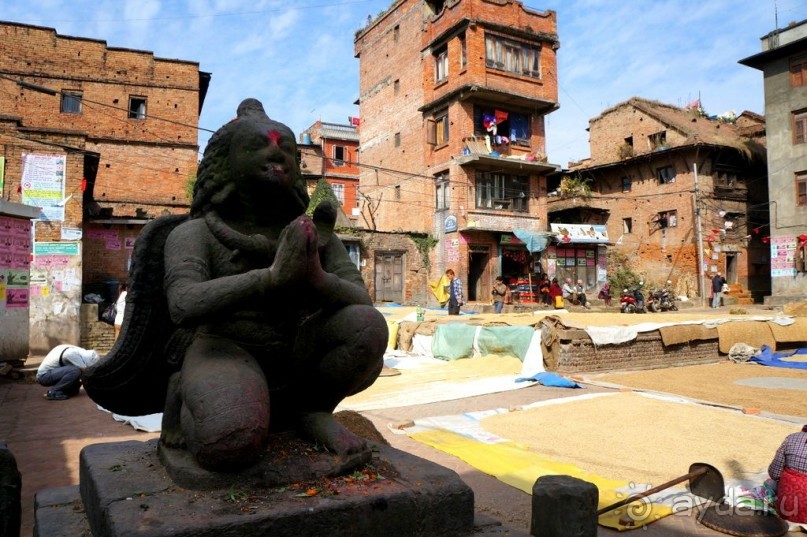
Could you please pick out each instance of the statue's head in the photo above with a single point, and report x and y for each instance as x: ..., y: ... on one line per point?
x: 252, y: 157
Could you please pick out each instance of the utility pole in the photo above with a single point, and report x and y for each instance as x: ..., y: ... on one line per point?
x: 701, y: 287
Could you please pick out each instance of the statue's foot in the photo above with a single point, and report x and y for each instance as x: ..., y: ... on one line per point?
x: 322, y: 427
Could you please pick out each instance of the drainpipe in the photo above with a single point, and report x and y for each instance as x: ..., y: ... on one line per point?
x: 701, y: 287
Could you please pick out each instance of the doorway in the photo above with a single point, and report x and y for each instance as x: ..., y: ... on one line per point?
x: 389, y: 277
x: 478, y: 273
x: 731, y: 268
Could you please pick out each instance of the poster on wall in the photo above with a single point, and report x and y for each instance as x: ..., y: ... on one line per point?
x: 55, y: 267
x: 15, y: 256
x: 43, y: 184
x: 783, y: 256
x: 2, y: 173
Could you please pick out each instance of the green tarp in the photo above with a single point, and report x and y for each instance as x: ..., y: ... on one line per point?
x: 453, y: 341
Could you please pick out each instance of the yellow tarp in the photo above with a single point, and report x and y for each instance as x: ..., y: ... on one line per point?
x: 519, y: 467
x: 439, y: 289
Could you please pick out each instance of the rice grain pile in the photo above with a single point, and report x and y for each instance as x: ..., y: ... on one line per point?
x: 639, y: 439
x: 715, y: 383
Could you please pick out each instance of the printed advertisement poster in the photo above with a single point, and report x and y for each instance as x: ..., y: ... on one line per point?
x: 2, y: 173
x: 783, y: 256
x: 43, y: 184
x: 15, y: 243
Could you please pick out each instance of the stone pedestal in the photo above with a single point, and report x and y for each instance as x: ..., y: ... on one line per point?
x: 125, y: 491
x: 564, y: 506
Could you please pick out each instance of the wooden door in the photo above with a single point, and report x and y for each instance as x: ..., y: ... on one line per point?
x: 389, y: 277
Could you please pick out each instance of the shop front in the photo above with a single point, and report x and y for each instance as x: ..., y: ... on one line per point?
x: 579, y: 253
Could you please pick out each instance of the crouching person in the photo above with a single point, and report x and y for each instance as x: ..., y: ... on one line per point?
x: 61, y: 370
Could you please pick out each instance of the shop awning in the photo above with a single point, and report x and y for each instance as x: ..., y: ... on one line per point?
x: 535, y: 241
x: 580, y: 233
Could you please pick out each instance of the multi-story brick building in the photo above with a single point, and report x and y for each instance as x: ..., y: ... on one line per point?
x: 453, y: 96
x: 783, y: 61
x: 338, y: 146
x: 103, y: 139
x: 662, y: 181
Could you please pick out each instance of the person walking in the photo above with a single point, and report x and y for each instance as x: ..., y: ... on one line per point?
x: 499, y: 292
x: 718, y: 281
x: 120, y: 308
x: 454, y: 293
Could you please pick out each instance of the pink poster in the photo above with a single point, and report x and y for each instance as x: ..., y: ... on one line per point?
x: 16, y: 298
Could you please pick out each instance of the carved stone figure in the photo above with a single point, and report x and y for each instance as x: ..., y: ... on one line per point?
x: 245, y: 317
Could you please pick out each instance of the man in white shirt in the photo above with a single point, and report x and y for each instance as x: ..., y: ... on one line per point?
x: 61, y: 370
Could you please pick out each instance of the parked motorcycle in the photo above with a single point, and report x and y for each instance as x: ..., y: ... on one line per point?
x: 632, y: 300
x: 663, y: 300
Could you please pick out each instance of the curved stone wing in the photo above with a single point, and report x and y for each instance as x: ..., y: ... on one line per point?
x: 132, y: 379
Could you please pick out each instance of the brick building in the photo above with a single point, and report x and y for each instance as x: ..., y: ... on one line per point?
x: 638, y: 190
x: 104, y: 139
x: 338, y: 147
x: 453, y: 96
x: 783, y: 62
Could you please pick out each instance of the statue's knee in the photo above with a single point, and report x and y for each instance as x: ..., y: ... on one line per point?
x: 363, y: 326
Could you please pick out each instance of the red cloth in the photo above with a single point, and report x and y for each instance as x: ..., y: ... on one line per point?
x: 791, y: 496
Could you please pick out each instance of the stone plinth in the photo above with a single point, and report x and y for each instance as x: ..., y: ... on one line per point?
x: 126, y: 491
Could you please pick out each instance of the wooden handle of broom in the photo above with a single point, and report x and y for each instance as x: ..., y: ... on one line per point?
x: 649, y: 492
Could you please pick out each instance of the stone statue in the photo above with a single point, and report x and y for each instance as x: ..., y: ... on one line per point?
x: 245, y: 317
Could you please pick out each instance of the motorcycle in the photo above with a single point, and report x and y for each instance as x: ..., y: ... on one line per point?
x: 632, y: 300
x: 662, y: 300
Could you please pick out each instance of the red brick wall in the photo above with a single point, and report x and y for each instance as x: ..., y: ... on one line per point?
x: 383, y: 60
x: 148, y: 161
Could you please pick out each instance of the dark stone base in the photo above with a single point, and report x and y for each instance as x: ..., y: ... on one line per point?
x: 126, y: 491
x: 286, y: 460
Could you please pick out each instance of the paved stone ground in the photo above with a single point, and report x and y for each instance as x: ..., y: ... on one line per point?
x: 47, y: 436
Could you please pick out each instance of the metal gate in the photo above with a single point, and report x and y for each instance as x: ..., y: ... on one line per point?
x: 389, y: 277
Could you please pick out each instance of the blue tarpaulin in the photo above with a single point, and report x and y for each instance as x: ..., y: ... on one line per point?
x: 535, y: 241
x: 767, y: 357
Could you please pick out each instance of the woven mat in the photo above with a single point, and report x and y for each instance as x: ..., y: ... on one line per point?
x: 684, y: 333
x: 795, y: 333
x: 754, y: 333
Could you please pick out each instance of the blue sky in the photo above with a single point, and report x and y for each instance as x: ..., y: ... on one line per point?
x: 297, y: 57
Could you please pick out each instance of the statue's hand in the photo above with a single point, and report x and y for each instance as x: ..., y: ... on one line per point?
x: 297, y: 258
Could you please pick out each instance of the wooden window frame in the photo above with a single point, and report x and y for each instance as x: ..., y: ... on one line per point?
x: 66, y: 103
x: 336, y: 160
x: 662, y: 177
x: 801, y: 189
x: 338, y: 190
x: 798, y: 71
x: 441, y: 190
x: 138, y: 107
x: 799, y: 118
x: 441, y: 65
